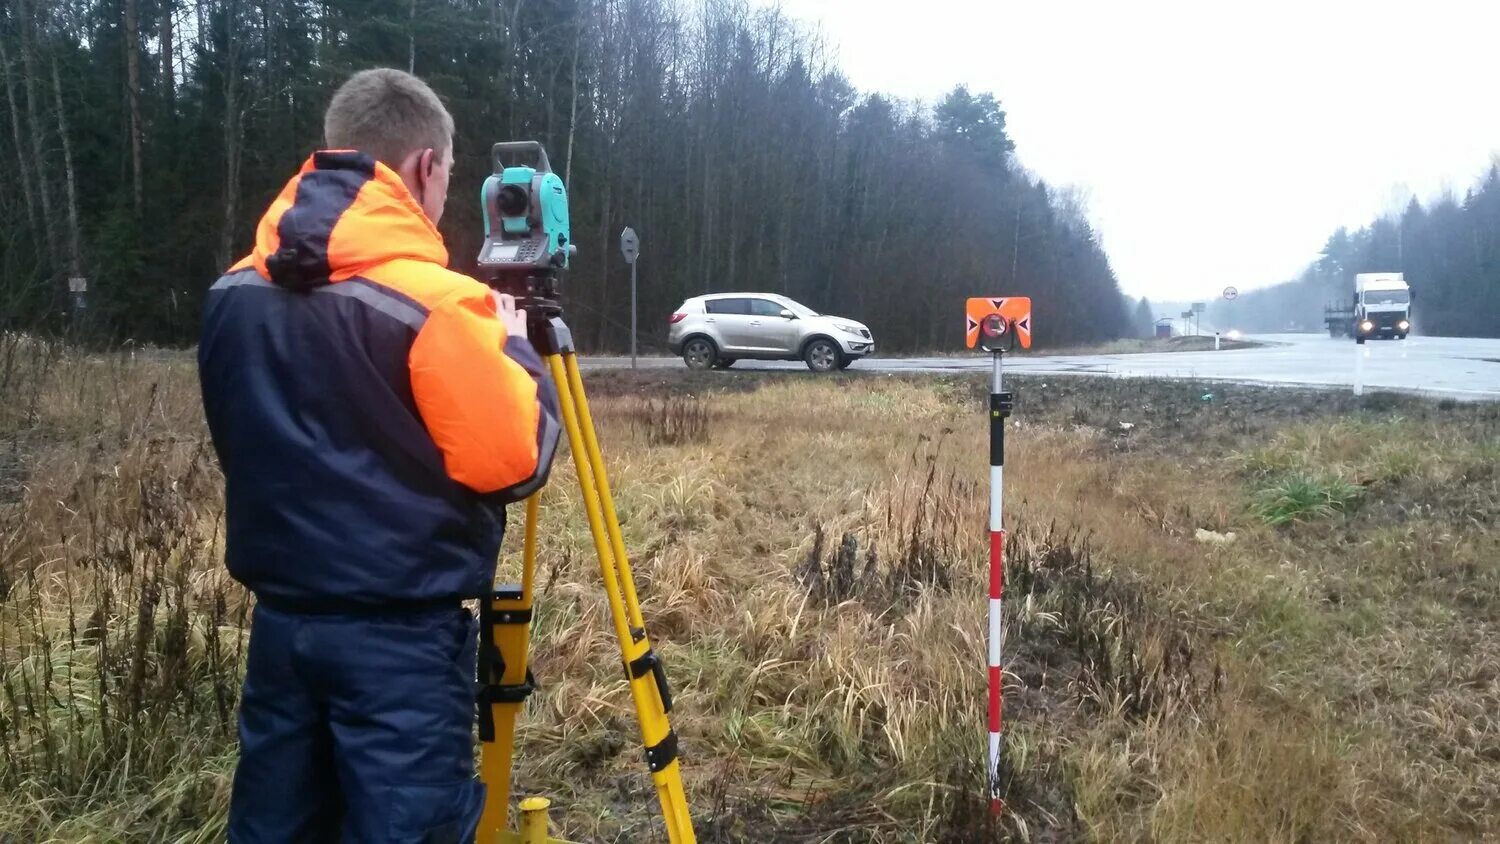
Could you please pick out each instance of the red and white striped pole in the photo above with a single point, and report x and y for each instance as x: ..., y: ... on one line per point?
x: 1000, y: 407
x: 997, y: 324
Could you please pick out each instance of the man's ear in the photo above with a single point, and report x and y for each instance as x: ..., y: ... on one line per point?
x: 425, y: 163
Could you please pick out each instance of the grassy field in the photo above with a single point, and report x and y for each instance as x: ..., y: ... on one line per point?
x: 810, y: 552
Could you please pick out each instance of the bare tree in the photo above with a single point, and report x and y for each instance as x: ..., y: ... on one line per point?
x: 75, y: 260
x: 133, y: 92
x: 33, y: 118
x: 23, y: 168
x: 411, y: 39
x: 233, y: 133
x: 573, y: 109
x: 168, y: 54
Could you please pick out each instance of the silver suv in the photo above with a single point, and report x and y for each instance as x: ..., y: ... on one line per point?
x: 717, y: 330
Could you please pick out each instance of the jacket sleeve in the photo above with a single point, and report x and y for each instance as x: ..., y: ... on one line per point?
x: 485, y: 398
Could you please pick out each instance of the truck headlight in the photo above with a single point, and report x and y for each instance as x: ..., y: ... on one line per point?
x: 1403, y: 325
x: 1366, y: 326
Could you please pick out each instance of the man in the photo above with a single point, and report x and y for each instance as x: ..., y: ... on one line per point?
x: 373, y: 413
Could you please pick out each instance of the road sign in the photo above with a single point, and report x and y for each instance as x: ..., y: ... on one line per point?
x: 1200, y: 307
x: 1231, y: 293
x: 630, y: 245
x: 78, y: 284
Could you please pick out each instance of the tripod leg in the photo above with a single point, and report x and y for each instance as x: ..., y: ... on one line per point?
x: 606, y: 498
x: 648, y: 680
x: 505, y: 681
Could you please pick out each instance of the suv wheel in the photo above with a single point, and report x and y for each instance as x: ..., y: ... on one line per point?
x: 699, y: 353
x: 822, y: 356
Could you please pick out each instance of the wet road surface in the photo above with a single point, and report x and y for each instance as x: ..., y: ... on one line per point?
x: 1463, y: 368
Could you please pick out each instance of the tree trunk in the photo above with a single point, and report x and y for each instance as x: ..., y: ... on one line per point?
x: 133, y: 93
x: 512, y: 68
x: 411, y: 39
x: 705, y: 215
x: 168, y: 55
x: 15, y: 127
x: 231, y: 134
x: 604, y: 315
x: 572, y: 113
x: 75, y: 260
x: 1015, y: 245
x: 38, y: 148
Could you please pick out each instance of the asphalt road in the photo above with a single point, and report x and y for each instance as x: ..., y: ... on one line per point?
x: 1461, y: 368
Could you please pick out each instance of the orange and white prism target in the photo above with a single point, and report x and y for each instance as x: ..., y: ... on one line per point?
x: 1014, y: 313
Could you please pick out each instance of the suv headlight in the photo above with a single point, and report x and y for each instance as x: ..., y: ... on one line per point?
x: 849, y: 329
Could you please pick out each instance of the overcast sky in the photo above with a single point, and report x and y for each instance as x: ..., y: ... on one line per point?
x: 1216, y: 143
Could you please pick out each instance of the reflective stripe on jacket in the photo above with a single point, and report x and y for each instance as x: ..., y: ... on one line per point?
x: 370, y: 413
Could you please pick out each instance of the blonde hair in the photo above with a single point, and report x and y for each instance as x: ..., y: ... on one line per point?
x: 387, y: 114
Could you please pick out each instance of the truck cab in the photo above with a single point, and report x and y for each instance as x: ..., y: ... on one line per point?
x: 1382, y: 306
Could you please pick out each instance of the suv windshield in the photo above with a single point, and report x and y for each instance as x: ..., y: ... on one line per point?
x: 1386, y: 297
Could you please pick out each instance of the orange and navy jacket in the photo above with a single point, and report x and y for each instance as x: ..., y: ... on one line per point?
x: 370, y: 414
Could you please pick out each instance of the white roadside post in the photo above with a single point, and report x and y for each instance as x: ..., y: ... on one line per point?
x: 1359, y: 369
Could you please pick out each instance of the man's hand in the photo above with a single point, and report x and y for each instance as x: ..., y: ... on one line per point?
x: 513, y: 318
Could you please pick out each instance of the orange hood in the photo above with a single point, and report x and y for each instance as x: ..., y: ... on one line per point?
x: 342, y: 214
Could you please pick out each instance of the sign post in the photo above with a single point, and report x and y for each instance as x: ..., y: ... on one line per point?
x: 996, y: 325
x: 1230, y: 294
x: 1198, y: 309
x: 630, y: 247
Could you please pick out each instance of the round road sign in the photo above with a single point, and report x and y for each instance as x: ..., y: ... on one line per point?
x: 1231, y: 293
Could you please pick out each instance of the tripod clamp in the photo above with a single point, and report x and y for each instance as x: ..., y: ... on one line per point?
x: 492, y: 662
x: 548, y: 334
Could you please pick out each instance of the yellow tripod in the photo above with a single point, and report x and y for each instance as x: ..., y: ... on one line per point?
x: 505, y: 633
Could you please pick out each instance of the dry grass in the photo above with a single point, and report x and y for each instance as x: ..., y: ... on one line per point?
x: 810, y: 557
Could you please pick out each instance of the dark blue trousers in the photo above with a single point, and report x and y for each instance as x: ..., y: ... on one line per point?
x: 357, y: 729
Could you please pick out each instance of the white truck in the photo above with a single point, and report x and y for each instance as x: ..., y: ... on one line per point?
x: 1381, y: 308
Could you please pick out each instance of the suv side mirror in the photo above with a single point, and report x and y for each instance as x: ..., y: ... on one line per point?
x: 786, y: 314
